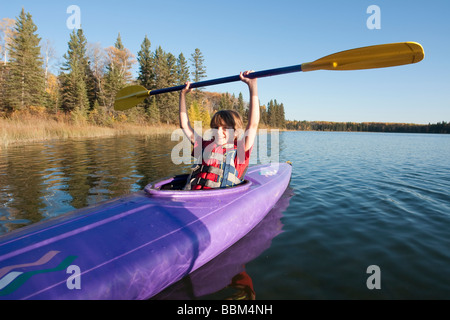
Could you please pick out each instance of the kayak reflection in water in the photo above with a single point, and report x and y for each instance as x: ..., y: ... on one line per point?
x: 222, y: 161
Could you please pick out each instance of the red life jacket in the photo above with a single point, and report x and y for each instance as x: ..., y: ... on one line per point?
x: 218, y: 169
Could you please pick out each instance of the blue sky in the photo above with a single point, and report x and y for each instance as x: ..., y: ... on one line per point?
x: 258, y: 34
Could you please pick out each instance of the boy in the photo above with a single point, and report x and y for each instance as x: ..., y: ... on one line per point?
x: 224, y: 159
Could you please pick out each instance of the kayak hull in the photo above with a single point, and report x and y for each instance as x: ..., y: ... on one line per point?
x: 134, y: 246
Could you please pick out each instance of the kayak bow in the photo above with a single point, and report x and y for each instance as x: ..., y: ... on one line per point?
x: 135, y: 246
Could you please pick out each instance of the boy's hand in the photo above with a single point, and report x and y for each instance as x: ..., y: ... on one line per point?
x: 252, y: 83
x: 248, y: 81
x: 187, y: 88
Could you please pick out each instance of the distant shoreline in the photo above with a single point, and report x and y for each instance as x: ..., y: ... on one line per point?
x: 440, y: 127
x: 37, y: 129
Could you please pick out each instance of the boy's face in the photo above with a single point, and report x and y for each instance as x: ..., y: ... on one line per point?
x: 224, y: 135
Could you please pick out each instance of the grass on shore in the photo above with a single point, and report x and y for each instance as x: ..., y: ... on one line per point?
x: 15, y: 131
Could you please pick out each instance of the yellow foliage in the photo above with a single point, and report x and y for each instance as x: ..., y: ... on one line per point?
x: 199, y: 113
x: 52, y: 85
x: 122, y: 117
x: 37, y: 110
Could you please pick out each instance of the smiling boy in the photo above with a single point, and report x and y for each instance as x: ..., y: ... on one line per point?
x: 225, y: 158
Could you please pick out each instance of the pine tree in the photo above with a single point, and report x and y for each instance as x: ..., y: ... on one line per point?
x: 173, y: 69
x: 4, y: 75
x: 225, y: 102
x: 165, y: 76
x: 26, y: 82
x: 197, y: 61
x: 74, y: 88
x: 146, y: 77
x: 182, y: 70
x: 161, y: 73
x: 241, y: 106
x: 153, y: 111
x: 145, y: 60
x: 281, y: 117
x: 271, y: 114
x: 172, y: 97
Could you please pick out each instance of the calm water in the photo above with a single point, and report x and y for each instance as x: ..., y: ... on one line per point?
x: 355, y: 200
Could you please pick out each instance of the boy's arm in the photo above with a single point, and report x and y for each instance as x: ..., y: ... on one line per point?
x: 254, y: 113
x: 184, y: 119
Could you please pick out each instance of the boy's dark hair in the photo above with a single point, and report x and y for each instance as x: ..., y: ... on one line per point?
x: 227, y: 118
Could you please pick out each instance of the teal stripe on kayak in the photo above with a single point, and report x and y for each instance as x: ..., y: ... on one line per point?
x: 22, y: 278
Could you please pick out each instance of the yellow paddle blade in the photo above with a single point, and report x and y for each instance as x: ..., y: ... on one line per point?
x: 378, y: 56
x: 129, y: 97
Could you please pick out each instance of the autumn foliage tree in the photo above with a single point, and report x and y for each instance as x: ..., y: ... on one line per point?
x: 118, y: 70
x: 90, y: 77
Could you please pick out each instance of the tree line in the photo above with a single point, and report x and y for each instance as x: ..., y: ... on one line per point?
x: 440, y: 127
x: 90, y: 76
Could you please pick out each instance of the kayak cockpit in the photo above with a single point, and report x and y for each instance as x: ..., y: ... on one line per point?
x: 173, y: 187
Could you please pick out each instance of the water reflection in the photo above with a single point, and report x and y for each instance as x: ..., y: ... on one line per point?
x: 43, y: 180
x: 225, y: 277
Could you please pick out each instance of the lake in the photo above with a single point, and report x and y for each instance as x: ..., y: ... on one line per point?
x: 366, y: 216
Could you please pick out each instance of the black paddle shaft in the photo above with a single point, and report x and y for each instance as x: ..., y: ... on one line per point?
x: 258, y: 74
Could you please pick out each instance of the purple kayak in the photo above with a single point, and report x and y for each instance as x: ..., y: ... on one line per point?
x: 135, y: 246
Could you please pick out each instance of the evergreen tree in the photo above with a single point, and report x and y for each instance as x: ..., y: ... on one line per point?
x: 182, y: 70
x: 165, y: 76
x: 145, y: 60
x: 26, y: 81
x: 172, y: 97
x: 4, y: 75
x: 92, y: 86
x: 74, y: 89
x: 197, y: 61
x: 272, y: 114
x: 281, y: 117
x: 225, y: 102
x: 173, y: 69
x: 275, y: 115
x: 146, y: 76
x: 241, y: 104
x: 161, y: 73
x: 153, y: 111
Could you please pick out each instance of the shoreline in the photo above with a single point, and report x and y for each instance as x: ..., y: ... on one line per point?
x: 14, y: 132
x: 31, y: 129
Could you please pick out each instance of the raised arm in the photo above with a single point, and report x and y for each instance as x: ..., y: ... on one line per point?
x: 254, y: 112
x: 185, y: 125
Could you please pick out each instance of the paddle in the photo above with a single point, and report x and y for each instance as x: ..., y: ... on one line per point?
x: 378, y: 56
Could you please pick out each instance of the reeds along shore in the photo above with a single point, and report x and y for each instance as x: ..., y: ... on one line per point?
x: 32, y: 128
